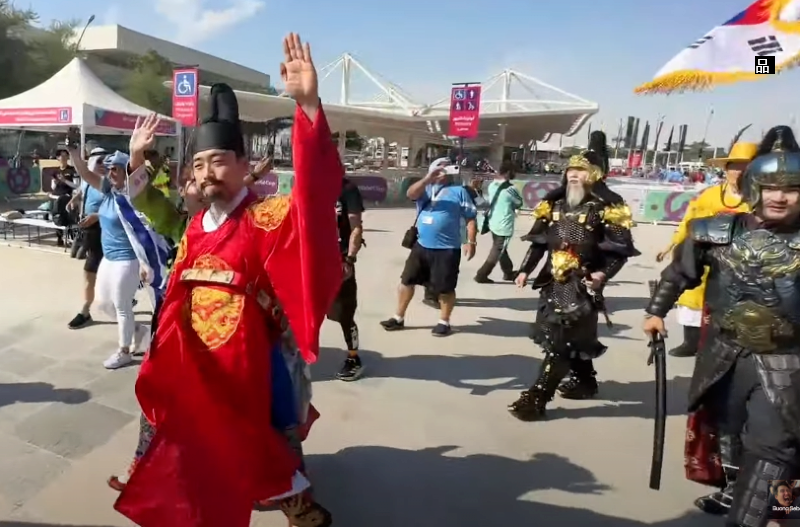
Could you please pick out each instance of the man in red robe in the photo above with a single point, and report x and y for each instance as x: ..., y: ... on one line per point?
x: 246, y: 271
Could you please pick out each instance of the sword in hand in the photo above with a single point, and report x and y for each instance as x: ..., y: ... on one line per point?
x: 658, y: 356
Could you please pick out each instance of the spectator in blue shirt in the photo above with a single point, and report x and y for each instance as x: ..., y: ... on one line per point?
x: 435, y: 258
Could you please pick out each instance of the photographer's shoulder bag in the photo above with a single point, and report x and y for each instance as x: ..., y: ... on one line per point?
x: 485, y: 224
x: 411, y: 235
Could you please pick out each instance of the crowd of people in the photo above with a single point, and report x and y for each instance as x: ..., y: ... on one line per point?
x: 252, y: 280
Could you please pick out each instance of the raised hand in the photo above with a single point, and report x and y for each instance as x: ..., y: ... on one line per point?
x: 263, y: 167
x: 298, y: 72
x: 144, y: 134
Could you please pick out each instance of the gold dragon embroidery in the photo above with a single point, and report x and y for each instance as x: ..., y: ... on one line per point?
x: 268, y: 214
x: 215, y: 311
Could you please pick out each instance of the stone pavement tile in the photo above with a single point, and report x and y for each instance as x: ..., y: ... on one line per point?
x: 73, y: 430
x: 63, y: 344
x: 21, y: 398
x: 81, y: 496
x: 115, y: 389
x: 23, y: 363
x: 17, y: 333
x: 71, y: 373
x: 25, y: 469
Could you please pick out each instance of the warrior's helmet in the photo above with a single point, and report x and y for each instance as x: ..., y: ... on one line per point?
x: 594, y: 159
x: 776, y: 165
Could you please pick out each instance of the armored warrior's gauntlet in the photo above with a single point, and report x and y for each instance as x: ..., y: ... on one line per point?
x: 664, y: 297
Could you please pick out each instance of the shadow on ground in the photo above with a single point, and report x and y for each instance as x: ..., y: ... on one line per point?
x: 40, y: 392
x: 511, y: 373
x: 436, y: 486
x: 529, y: 303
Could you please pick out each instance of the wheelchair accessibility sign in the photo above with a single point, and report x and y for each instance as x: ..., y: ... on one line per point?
x: 185, y: 84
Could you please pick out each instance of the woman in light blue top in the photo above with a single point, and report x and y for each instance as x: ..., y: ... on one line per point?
x: 118, y: 275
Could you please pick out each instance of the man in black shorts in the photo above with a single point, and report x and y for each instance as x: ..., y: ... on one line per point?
x: 444, y: 208
x: 349, y: 210
x: 89, y: 199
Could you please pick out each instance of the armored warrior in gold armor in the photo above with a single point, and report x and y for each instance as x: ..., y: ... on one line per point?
x: 584, y: 228
x: 744, y: 397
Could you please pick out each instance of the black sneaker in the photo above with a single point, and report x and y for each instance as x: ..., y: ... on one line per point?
x: 392, y: 324
x: 80, y: 321
x: 484, y: 280
x: 441, y: 330
x: 352, y: 370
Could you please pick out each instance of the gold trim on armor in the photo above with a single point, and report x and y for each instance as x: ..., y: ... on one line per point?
x: 542, y: 211
x: 561, y: 263
x: 618, y: 215
x: 581, y: 163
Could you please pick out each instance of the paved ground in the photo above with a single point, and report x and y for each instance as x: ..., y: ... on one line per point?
x: 424, y: 440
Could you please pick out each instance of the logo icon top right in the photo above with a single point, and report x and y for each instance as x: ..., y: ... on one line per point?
x: 765, y: 65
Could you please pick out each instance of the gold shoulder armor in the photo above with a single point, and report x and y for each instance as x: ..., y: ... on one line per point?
x: 542, y: 211
x: 268, y: 213
x: 618, y: 215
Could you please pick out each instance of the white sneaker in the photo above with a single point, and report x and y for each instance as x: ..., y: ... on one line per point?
x: 117, y: 360
x: 141, y: 339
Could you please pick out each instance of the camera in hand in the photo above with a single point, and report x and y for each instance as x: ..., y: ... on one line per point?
x: 73, y: 140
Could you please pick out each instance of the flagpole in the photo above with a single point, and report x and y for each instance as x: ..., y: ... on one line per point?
x: 705, y: 132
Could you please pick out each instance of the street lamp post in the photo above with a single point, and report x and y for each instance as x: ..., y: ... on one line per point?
x: 83, y: 32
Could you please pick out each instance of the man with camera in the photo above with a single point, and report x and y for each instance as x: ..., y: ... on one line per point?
x: 435, y: 242
x: 88, y: 199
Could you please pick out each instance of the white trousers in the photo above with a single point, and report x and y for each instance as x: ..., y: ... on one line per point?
x: 116, y: 285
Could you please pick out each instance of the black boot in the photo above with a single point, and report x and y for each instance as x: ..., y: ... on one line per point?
x: 531, y: 404
x: 581, y: 383
x: 691, y: 339
x: 719, y: 503
x: 751, y: 494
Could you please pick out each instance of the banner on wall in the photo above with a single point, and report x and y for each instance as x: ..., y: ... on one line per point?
x: 34, y: 116
x: 19, y: 181
x: 126, y: 121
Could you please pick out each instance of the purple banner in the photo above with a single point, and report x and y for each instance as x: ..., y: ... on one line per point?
x: 373, y: 188
x: 267, y: 185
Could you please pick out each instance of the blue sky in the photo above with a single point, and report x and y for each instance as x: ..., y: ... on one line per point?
x: 598, y: 49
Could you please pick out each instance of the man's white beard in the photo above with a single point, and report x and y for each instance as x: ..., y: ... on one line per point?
x: 575, y: 195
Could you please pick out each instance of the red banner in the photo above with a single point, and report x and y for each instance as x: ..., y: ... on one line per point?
x: 126, y: 121
x: 185, y: 96
x: 634, y: 160
x: 465, y: 107
x: 36, y: 116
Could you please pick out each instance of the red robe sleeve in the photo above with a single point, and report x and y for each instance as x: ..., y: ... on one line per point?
x: 305, y: 265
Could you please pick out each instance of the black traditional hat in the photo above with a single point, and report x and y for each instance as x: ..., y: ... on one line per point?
x: 221, y: 130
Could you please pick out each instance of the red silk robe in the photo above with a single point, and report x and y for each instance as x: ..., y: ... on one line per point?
x: 205, y: 384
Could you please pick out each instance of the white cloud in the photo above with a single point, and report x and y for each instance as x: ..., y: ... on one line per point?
x: 195, y: 23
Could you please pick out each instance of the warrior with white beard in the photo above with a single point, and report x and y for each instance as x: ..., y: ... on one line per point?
x: 585, y: 229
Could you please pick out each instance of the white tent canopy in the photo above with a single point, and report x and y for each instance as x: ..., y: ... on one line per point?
x: 74, y: 96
